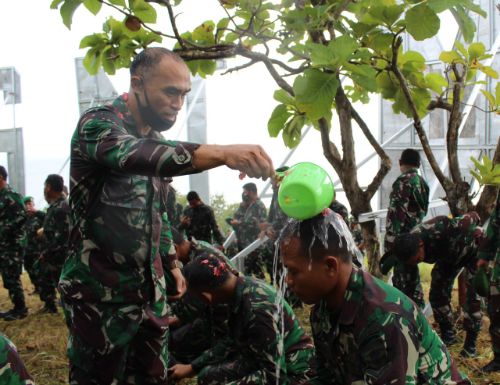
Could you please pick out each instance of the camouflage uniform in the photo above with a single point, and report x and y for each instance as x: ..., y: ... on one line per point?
x: 339, y: 208
x: 408, y: 204
x: 201, y: 325
x: 450, y: 244
x: 12, y: 369
x: 247, y: 231
x: 489, y: 250
x: 55, y: 249
x: 33, y: 246
x: 203, y: 225
x: 112, y: 282
x: 252, y: 350
x: 378, y: 337
x: 174, y: 209
x: 12, y: 243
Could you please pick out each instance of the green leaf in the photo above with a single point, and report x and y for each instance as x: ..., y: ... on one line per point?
x: 476, y: 50
x: 387, y: 84
x: 207, y: 67
x: 67, y: 10
x: 55, y: 4
x: 314, y: 93
x: 488, y: 71
x: 193, y: 66
x: 277, y: 120
x: 465, y: 23
x: 460, y: 47
x: 283, y: 97
x: 321, y: 55
x: 120, y: 3
x: 491, y: 99
x: 450, y: 57
x: 92, y: 40
x: 293, y: 130
x: 497, y: 93
x: 93, y: 6
x: 439, y: 6
x: 107, y: 60
x: 92, y: 61
x: 436, y: 82
x: 343, y: 47
x: 422, y: 22
x: 386, y: 14
x: 143, y: 11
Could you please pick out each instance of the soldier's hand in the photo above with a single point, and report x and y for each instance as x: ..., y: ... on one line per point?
x: 180, y: 283
x: 249, y: 159
x: 180, y: 371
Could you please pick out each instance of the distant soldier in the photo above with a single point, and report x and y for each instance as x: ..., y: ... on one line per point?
x: 33, y: 248
x: 174, y: 208
x: 365, y: 331
x: 199, y: 221
x: 55, y: 238
x: 451, y: 245
x: 261, y: 344
x: 408, y: 204
x: 12, y: 369
x: 247, y: 221
x: 12, y: 243
x: 340, y: 209
x: 489, y: 251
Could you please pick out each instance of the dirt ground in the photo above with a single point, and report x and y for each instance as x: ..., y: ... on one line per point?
x: 41, y: 341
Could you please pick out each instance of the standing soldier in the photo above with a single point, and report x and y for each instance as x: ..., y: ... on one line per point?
x: 199, y: 221
x: 489, y: 251
x: 12, y: 243
x: 451, y: 245
x: 112, y: 283
x: 56, y: 237
x: 408, y: 204
x: 33, y: 242
x: 365, y: 331
x: 247, y: 221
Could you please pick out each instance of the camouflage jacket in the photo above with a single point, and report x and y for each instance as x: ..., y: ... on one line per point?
x: 33, y: 223
x: 450, y: 241
x: 378, y: 337
x: 254, y: 332
x: 489, y: 248
x: 408, y: 204
x: 117, y: 201
x: 203, y: 225
x: 339, y: 208
x: 12, y: 219
x: 56, y: 232
x: 250, y: 218
x: 12, y: 369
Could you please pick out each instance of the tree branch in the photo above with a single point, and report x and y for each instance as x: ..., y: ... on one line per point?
x: 171, y: 16
x: 330, y: 150
x: 453, y: 124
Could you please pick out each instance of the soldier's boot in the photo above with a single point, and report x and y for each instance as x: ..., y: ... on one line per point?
x: 448, y: 334
x: 493, y: 366
x: 50, y: 307
x: 19, y: 312
x: 469, y: 349
x: 5, y: 313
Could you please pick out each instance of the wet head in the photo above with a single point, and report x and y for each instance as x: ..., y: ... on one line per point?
x: 317, y: 258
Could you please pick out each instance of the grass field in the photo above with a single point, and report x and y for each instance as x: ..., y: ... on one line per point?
x: 41, y: 341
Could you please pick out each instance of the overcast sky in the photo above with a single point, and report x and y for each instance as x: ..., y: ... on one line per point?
x: 42, y: 49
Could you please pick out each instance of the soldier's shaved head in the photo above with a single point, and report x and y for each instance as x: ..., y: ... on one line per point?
x: 149, y: 58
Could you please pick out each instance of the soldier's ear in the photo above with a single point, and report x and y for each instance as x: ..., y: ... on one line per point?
x: 136, y: 83
x: 332, y: 264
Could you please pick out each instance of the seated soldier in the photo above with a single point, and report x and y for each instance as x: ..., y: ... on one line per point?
x: 451, y: 245
x: 365, y: 331
x: 12, y: 369
x: 262, y: 347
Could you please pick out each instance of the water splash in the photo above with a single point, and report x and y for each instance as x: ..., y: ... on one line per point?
x: 279, y: 279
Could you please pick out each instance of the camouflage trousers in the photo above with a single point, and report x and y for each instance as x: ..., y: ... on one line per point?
x: 12, y: 369
x: 494, y: 308
x: 189, y: 341
x: 11, y: 269
x: 48, y: 279
x: 116, y: 344
x: 241, y: 370
x: 32, y: 267
x: 254, y: 265
x: 443, y: 276
x: 406, y: 278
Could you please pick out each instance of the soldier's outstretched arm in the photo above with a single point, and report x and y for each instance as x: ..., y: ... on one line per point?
x: 249, y: 159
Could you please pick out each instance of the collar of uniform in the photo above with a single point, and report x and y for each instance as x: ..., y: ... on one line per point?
x: 54, y: 203
x: 124, y: 113
x: 238, y: 294
x: 352, y: 297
